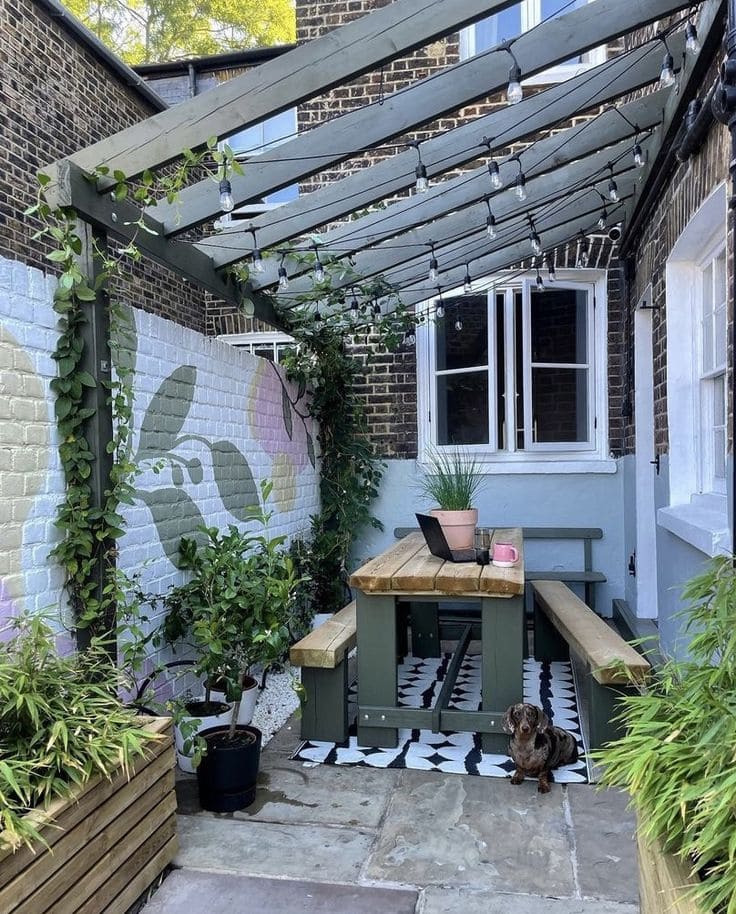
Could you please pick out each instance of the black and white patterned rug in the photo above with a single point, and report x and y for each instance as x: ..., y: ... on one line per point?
x: 548, y: 685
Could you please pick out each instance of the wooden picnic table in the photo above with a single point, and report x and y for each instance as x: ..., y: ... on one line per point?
x: 407, y: 572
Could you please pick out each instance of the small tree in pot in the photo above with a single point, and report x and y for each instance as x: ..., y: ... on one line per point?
x: 235, y: 612
x: 453, y: 480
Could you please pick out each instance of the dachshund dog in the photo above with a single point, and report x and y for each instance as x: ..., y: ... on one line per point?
x: 536, y: 747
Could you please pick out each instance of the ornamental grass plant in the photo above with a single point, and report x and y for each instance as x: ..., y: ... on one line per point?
x: 453, y: 480
x: 61, y: 724
x: 677, y: 758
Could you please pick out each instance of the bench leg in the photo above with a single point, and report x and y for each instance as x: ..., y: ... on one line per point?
x: 548, y: 642
x: 325, y: 712
x: 603, y: 707
x: 425, y: 629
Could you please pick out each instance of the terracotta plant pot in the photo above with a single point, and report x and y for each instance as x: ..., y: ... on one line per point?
x: 458, y: 526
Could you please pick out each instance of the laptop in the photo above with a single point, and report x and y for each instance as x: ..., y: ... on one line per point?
x: 437, y: 542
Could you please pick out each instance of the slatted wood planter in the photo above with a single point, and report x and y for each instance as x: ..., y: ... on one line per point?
x: 664, y: 882
x: 109, y: 842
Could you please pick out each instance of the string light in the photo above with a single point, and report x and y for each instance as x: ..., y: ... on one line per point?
x: 468, y: 281
x: 534, y: 239
x: 319, y: 270
x: 317, y: 316
x: 257, y: 265
x: 411, y: 336
x: 422, y: 181
x: 612, y: 187
x: 283, y: 275
x: 490, y: 222
x: 692, y: 45
x: 227, y: 204
x: 376, y: 308
x: 520, y: 188
x: 434, y: 272
x: 667, y: 73
x: 458, y: 322
x: 440, y: 306
x: 603, y: 218
x: 640, y: 159
x: 514, y: 92
x: 583, y: 250
x: 354, y: 306
x: 551, y: 275
x: 539, y: 282
x: 493, y: 169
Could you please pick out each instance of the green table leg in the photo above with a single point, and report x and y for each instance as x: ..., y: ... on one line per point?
x: 425, y: 629
x: 377, y: 670
x: 502, y: 621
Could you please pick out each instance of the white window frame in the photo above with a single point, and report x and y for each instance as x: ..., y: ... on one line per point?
x: 259, y: 340
x: 531, y: 17
x: 709, y: 483
x: 567, y: 457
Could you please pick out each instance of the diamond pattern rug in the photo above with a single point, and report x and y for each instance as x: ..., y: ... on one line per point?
x: 548, y: 685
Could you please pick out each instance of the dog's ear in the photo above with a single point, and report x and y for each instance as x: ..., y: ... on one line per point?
x: 508, y: 719
x: 542, y: 720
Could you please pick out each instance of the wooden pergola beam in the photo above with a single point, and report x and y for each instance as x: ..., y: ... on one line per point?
x: 335, y: 141
x: 595, y: 87
x: 282, y: 83
x: 564, y: 160
x: 120, y: 218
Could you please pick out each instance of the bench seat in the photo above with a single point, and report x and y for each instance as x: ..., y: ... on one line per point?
x: 564, y: 626
x: 323, y: 656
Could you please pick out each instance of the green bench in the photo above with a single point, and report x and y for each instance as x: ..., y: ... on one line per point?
x: 565, y: 627
x: 323, y: 658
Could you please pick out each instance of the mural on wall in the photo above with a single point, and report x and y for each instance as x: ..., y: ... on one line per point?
x: 24, y: 460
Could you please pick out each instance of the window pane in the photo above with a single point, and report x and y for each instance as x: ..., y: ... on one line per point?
x: 492, y: 31
x: 500, y: 373
x: 462, y: 409
x: 560, y: 404
x: 265, y: 352
x: 719, y: 278
x: 466, y: 348
x: 720, y: 333
x: 552, y: 8
x: 559, y: 326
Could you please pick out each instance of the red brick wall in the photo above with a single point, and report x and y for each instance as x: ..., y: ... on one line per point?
x: 57, y: 97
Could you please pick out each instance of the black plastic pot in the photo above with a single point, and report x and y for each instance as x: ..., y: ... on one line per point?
x: 228, y: 772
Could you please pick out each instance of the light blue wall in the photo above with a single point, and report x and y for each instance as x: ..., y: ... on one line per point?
x: 569, y: 500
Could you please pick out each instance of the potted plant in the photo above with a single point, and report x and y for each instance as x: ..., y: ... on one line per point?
x: 72, y: 756
x: 235, y: 611
x: 452, y: 481
x: 676, y: 758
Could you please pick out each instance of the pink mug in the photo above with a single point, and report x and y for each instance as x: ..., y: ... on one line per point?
x: 505, y: 554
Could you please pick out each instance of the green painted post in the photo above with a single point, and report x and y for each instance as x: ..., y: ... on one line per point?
x: 377, y: 670
x: 325, y: 712
x: 548, y: 642
x: 503, y: 660
x: 425, y: 629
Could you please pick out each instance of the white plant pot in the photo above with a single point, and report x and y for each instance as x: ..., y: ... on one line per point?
x: 247, y: 702
x: 458, y: 526
x: 183, y: 759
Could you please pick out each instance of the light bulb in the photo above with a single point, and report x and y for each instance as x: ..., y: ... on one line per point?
x: 603, y: 220
x: 458, y: 325
x: 354, y: 306
x: 520, y: 189
x: 639, y: 157
x: 667, y: 74
x: 422, y: 183
x: 540, y: 283
x: 491, y: 226
x: 692, y: 45
x: 552, y: 277
x: 283, y: 279
x: 496, y: 181
x: 440, y: 311
x: 319, y: 272
x: 584, y: 255
x: 613, y: 191
x: 227, y: 204
x: 514, y: 92
x: 411, y: 337
x: 434, y: 274
x: 257, y: 266
x: 535, y: 243
x: 467, y: 284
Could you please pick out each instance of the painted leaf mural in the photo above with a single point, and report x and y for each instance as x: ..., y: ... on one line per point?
x: 286, y: 412
x: 167, y: 412
x: 234, y: 479
x: 175, y: 515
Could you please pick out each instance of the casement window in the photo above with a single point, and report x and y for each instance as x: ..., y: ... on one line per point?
x: 271, y: 346
x: 516, y: 374
x: 514, y: 21
x: 712, y: 363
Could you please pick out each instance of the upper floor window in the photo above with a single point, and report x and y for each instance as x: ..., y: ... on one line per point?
x: 514, y: 373
x: 516, y: 20
x: 267, y: 345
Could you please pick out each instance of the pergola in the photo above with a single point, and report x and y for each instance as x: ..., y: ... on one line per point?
x: 567, y: 171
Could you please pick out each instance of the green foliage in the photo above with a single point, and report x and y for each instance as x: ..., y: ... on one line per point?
x: 677, y: 756
x: 452, y: 481
x: 144, y: 31
x: 61, y: 724
x: 236, y: 607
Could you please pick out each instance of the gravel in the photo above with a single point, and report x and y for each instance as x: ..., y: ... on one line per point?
x: 276, y: 703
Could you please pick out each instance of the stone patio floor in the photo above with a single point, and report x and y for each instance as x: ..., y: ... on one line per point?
x: 364, y: 841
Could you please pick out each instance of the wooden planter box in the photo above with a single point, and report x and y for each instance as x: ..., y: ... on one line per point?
x: 109, y: 842
x: 664, y: 882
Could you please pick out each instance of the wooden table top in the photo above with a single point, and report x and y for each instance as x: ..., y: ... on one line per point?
x: 409, y: 568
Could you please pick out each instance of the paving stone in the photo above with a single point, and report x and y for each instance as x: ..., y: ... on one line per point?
x: 217, y: 893
x: 605, y: 843
x: 477, y: 832
x: 469, y: 901
x: 226, y: 845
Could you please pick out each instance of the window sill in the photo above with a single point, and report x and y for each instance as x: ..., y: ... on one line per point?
x: 506, y: 467
x: 702, y: 527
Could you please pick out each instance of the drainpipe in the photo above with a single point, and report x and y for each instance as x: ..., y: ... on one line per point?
x: 724, y: 110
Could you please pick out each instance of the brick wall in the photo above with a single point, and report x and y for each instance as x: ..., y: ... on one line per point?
x: 56, y: 97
